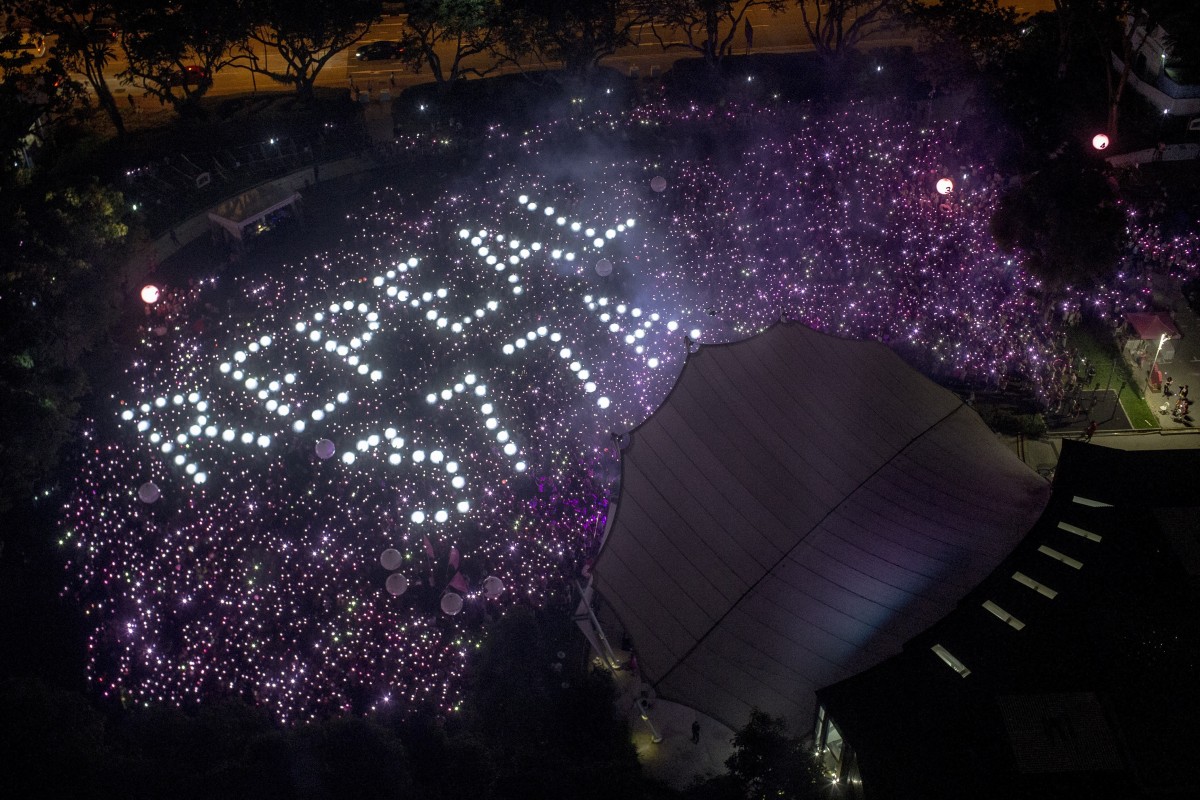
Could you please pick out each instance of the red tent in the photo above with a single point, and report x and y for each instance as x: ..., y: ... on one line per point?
x: 1151, y: 324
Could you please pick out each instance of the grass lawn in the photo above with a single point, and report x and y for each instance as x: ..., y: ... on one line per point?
x: 1100, y: 350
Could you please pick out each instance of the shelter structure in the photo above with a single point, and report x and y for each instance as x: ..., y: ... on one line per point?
x: 1151, y: 343
x: 799, y: 507
x: 1151, y: 325
x: 1070, y: 671
x: 240, y: 218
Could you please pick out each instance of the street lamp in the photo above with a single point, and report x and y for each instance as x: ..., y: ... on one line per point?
x: 1161, y: 341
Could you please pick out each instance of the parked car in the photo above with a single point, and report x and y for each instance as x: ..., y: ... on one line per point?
x: 379, y: 51
x: 191, y: 75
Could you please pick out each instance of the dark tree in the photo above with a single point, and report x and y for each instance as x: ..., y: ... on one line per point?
x: 1065, y: 221
x: 576, y: 34
x: 711, y: 27
x: 837, y: 26
x: 172, y: 49
x: 467, y: 28
x: 52, y: 740
x: 57, y: 305
x: 988, y: 30
x: 358, y: 758
x: 307, y: 34
x: 551, y: 729
x: 81, y: 44
x: 34, y: 97
x: 770, y: 763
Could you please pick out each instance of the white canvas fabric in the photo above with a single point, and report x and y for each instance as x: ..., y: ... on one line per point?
x: 798, y: 508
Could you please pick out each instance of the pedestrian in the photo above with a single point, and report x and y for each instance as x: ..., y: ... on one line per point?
x: 1090, y: 431
x: 696, y: 732
x: 174, y: 238
x: 392, y: 79
x: 1167, y: 386
x: 1183, y: 391
x: 749, y: 35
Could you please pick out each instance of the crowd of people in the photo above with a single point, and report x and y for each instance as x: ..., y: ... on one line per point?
x: 469, y: 363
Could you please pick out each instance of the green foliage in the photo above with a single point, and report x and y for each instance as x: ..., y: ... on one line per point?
x: 712, y: 27
x: 464, y: 28
x: 57, y: 305
x: 1181, y: 21
x: 768, y: 763
x: 551, y: 733
x: 72, y: 23
x: 987, y: 30
x: 576, y: 34
x: 161, y: 39
x: 307, y: 34
x: 52, y: 740
x: 1065, y: 221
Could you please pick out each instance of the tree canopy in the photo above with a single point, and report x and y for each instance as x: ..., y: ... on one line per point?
x: 307, y: 34
x: 576, y: 34
x: 467, y: 27
x: 57, y: 305
x: 1065, y: 219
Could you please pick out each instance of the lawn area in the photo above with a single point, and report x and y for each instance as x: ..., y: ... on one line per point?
x: 1100, y: 350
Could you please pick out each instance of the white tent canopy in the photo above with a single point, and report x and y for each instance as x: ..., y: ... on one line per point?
x: 798, y: 508
x: 250, y: 208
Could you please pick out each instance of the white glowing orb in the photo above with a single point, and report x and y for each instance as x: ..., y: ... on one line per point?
x: 150, y: 294
x: 945, y: 186
x: 1100, y: 141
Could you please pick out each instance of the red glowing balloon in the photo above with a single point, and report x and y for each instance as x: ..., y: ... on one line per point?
x: 150, y: 294
x: 1100, y: 141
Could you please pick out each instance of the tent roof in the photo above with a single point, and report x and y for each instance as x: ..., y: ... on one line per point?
x: 1151, y: 324
x: 797, y: 508
x: 236, y: 213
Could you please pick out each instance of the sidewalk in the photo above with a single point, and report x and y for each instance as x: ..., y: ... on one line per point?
x: 675, y: 760
x: 1184, y: 367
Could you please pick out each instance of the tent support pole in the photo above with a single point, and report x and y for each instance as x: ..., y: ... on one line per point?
x: 608, y: 653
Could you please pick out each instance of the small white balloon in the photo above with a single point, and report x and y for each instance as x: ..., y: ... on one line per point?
x: 148, y: 492
x: 325, y: 449
x: 396, y: 584
x: 658, y: 183
x: 452, y: 603
x: 604, y: 268
x: 391, y: 559
x: 492, y: 587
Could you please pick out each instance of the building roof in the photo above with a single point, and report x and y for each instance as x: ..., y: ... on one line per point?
x: 237, y: 213
x: 798, y: 508
x: 1082, y: 649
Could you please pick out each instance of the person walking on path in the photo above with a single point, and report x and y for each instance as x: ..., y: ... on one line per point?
x: 1090, y: 431
x: 696, y: 732
x: 749, y: 35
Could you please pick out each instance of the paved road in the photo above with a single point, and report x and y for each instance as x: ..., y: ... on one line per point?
x: 782, y: 32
